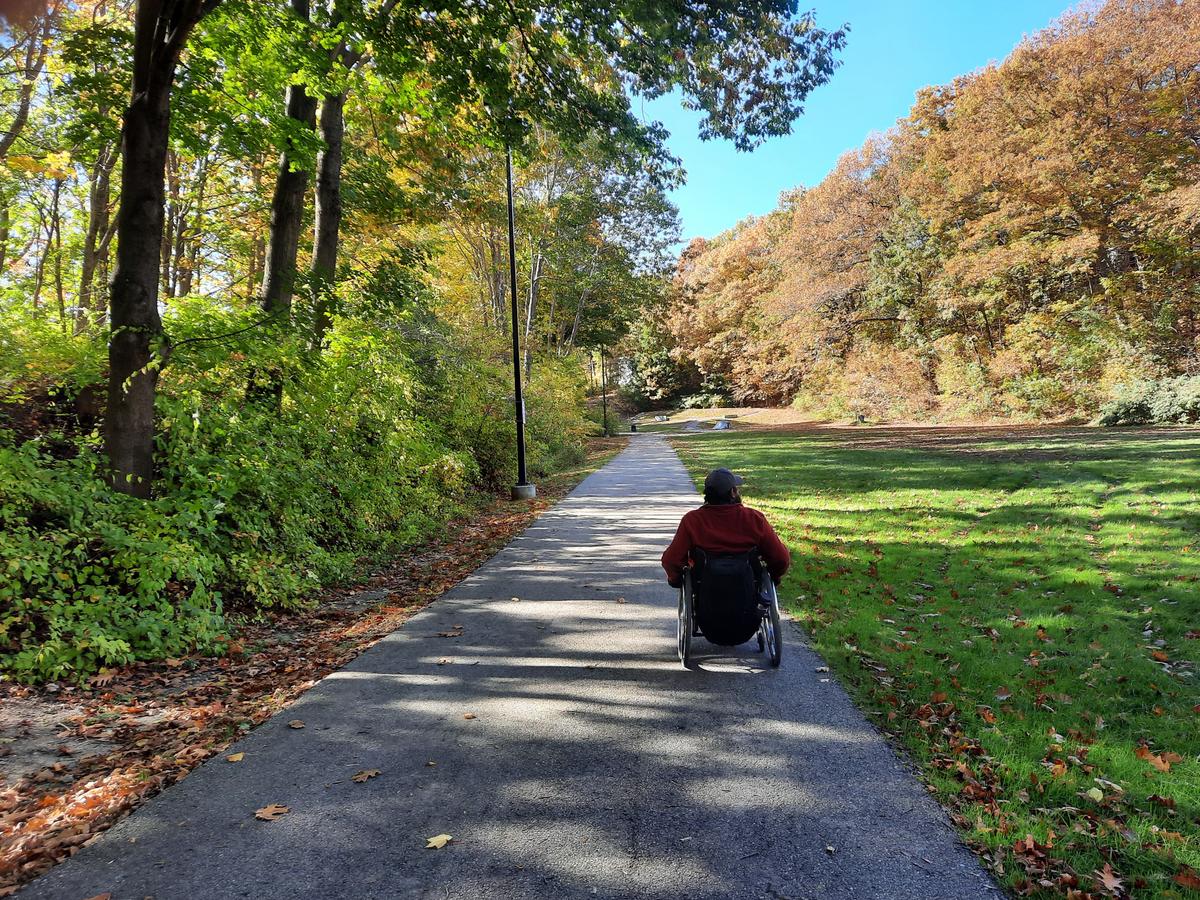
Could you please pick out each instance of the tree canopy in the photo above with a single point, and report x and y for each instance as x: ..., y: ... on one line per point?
x: 254, y: 280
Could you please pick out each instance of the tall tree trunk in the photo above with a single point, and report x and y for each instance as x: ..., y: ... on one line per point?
x: 499, y: 271
x: 133, y: 317
x: 170, y: 222
x: 56, y: 233
x: 5, y: 226
x: 35, y: 60
x: 287, y: 205
x: 535, y: 277
x: 161, y: 29
x: 578, y: 320
x: 191, y: 262
x: 328, y: 210
x: 94, y: 242
x: 259, y: 248
x: 190, y: 233
x: 39, y: 272
x: 179, y: 257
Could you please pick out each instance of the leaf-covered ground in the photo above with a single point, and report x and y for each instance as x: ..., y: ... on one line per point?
x: 1021, y: 609
x: 154, y: 723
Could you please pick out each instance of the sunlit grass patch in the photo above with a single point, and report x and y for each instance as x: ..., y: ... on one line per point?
x: 1023, y: 613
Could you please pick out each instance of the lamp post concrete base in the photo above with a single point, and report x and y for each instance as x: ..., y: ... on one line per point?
x: 524, y: 491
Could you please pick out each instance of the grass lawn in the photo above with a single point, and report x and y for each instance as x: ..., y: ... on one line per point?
x: 1021, y: 609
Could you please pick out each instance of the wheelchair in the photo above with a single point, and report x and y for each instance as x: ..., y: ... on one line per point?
x: 728, y: 599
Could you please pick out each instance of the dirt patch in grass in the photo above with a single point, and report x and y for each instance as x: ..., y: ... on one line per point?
x: 79, y: 759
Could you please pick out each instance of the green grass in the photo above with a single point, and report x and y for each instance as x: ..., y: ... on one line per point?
x: 996, y: 600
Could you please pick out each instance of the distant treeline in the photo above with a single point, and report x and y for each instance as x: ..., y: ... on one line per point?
x: 1026, y: 242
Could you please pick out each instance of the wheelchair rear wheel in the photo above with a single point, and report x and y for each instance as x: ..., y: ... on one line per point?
x: 770, y: 632
x: 687, y: 619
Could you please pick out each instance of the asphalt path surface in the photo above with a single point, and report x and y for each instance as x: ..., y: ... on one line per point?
x: 593, y: 764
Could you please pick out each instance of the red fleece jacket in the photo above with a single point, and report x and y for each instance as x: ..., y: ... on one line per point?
x: 725, y: 528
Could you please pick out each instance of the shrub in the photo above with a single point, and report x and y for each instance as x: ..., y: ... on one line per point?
x: 1166, y: 401
x: 377, y: 443
x: 714, y: 392
x: 92, y: 577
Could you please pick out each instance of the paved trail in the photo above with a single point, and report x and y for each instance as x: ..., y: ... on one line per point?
x: 595, y: 765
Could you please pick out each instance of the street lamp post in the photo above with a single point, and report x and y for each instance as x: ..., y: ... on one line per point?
x: 522, y: 490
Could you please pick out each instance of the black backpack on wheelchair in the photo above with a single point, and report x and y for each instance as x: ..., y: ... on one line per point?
x: 725, y: 595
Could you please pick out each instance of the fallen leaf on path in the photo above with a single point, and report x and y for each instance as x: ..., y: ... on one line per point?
x: 105, y: 896
x: 296, y: 723
x: 103, y: 678
x: 364, y: 775
x: 1160, y: 656
x: 438, y: 841
x: 271, y: 812
x: 444, y: 661
x: 620, y: 599
x: 235, y: 757
x: 468, y: 715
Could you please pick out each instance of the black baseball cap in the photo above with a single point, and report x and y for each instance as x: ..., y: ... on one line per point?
x: 720, y: 482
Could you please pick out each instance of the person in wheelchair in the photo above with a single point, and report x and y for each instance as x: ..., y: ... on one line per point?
x: 723, y: 527
x: 725, y: 544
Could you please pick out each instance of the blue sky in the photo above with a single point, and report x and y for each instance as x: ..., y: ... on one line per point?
x: 895, y: 48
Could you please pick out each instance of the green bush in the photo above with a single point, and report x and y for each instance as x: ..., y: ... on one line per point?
x: 378, y: 442
x: 713, y: 393
x: 1166, y: 401
x: 556, y: 424
x: 92, y: 577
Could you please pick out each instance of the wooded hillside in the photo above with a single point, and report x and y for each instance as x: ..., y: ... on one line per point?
x: 1025, y: 243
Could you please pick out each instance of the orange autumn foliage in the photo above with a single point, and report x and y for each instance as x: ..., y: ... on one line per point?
x: 1026, y: 239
